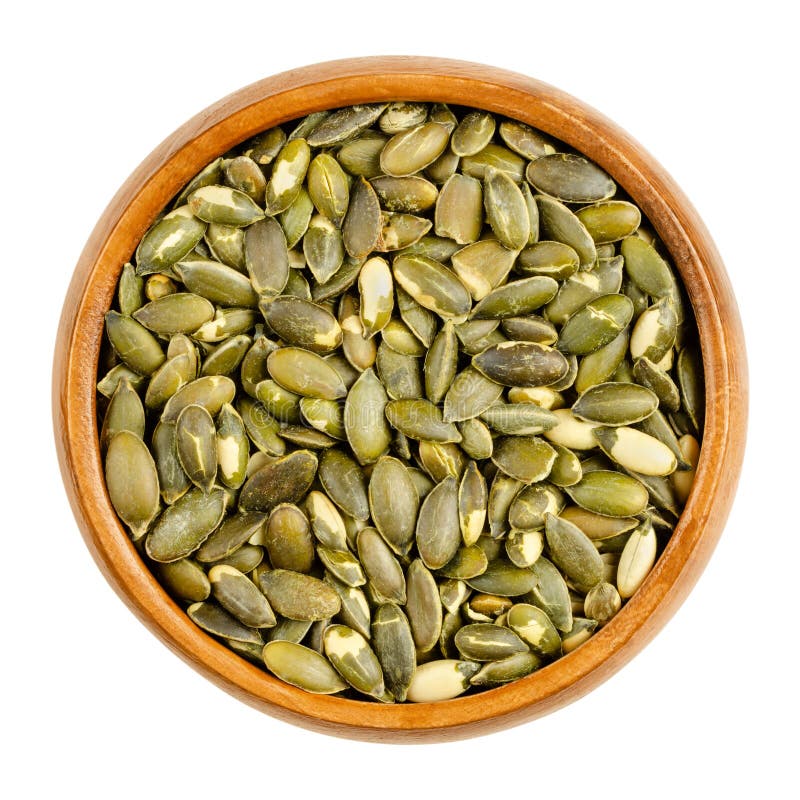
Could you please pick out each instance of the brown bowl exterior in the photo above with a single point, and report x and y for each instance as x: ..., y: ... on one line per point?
x: 293, y: 94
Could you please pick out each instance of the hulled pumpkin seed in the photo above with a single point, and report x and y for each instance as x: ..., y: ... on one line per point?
x: 432, y: 285
x: 394, y: 503
x: 302, y: 667
x: 297, y: 596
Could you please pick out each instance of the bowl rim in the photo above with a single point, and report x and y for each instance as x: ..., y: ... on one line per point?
x: 293, y: 94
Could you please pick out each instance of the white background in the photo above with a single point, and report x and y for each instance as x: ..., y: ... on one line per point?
x: 93, y: 705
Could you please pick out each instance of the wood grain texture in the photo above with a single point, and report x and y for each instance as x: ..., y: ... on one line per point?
x: 293, y: 94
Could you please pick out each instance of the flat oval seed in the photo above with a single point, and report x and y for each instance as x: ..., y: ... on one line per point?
x: 488, y: 642
x: 459, y: 209
x: 473, y: 133
x: 218, y: 622
x: 303, y: 324
x: 571, y: 432
x: 365, y: 420
x: 413, y: 150
x: 534, y: 627
x: 302, y: 667
x: 195, y: 440
x: 288, y: 172
x: 224, y: 206
x: 328, y: 187
x: 384, y: 572
x: 476, y: 440
x: 185, y: 525
x: 261, y: 428
x: 169, y: 240
x: 362, y: 224
x: 483, y: 265
x: 288, y: 539
x: 410, y: 195
x: 610, y: 221
x: 570, y: 178
x: 343, y: 480
x: 285, y: 480
x: 516, y: 298
x: 527, y: 458
x: 184, y: 580
x: 438, y: 533
x: 526, y: 141
x: 394, y: 503
x: 645, y: 267
x: 611, y: 494
x: 602, y: 603
x: 299, y: 596
x: 326, y: 521
x: 289, y: 630
x: 229, y: 537
x: 343, y: 565
x: 494, y: 156
x: 394, y: 647
x: 649, y: 375
x: 295, y: 220
x: 559, y: 224
x: 355, y: 612
x: 530, y: 329
x: 133, y: 343
x: 529, y: 508
x: 573, y: 552
x: 399, y: 231
x: 504, y: 579
x: 421, y: 419
x: 441, y: 680
x: 244, y: 174
x: 423, y: 606
x: 305, y: 373
x: 596, y: 526
x: 125, y: 413
x: 344, y: 123
x: 239, y: 596
x: 466, y: 563
x: 521, y: 364
x: 472, y: 504
x: 654, y: 333
x: 362, y: 156
x: 506, y: 210
x: 182, y: 312
x: 551, y: 594
x: 596, y: 324
x: 637, y: 559
x: 615, y: 404
x: 323, y: 248
x: 469, y: 395
x: 227, y: 356
x: 432, y: 285
x: 377, y: 296
x: 524, y: 547
x: 266, y: 257
x: 171, y: 477
x: 636, y: 451
x: 496, y: 673
x: 354, y: 660
x: 519, y: 419
x: 132, y: 482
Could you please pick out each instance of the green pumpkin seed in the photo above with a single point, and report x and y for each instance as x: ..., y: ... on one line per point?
x: 519, y: 419
x: 506, y: 210
x: 422, y: 606
x: 296, y: 218
x: 602, y: 603
x: 362, y: 224
x: 609, y: 493
x: 240, y: 597
x: 289, y: 630
x: 412, y: 150
x: 488, y: 642
x: 516, y: 298
x: 266, y: 257
x: 649, y: 375
x: 526, y: 458
x: 521, y: 364
x: 328, y: 187
x: 523, y: 548
x: 401, y: 116
x: 579, y: 289
x: 504, y: 579
x: 326, y: 522
x: 559, y: 224
x: 420, y: 321
x: 526, y: 141
x: 615, y: 404
x: 354, y: 660
x: 132, y: 482
x: 229, y: 537
x: 226, y: 244
x: 394, y: 503
x: 355, y: 612
x: 610, y: 221
x: 410, y: 195
x: 636, y: 451
x: 530, y: 328
x: 264, y: 147
x: 185, y: 580
x: 421, y: 419
x: 472, y: 504
x: 361, y: 157
x: 133, y: 343
x: 469, y: 395
x: 551, y: 594
x: 244, y: 174
x: 196, y: 444
x: 227, y: 322
x: 218, y: 622
x: 596, y: 324
x: 690, y: 380
x: 394, y: 647
x: 343, y: 480
x: 468, y: 562
x: 482, y: 266
x: 459, y: 209
x: 645, y: 267
x: 305, y: 373
x: 185, y: 525
x: 288, y: 539
x: 535, y: 628
x: 567, y: 469
x: 224, y: 206
x: 530, y: 507
x: 226, y: 357
x: 501, y: 495
x: 172, y: 238
x: 125, y: 413
x: 302, y: 667
x: 432, y: 285
x: 172, y: 479
x: 107, y: 385
x: 399, y: 231
x: 596, y: 526
x: 381, y: 567
x: 343, y: 565
x: 654, y: 333
x: 344, y: 123
x: 573, y: 552
x: 476, y: 439
x: 570, y: 178
x: 399, y: 373
x: 323, y: 248
x: 262, y: 429
x: 280, y: 403
x: 377, y: 298
x: 511, y: 668
x: 364, y: 420
x: 548, y: 259
x: 598, y: 367
x: 441, y: 459
x: 438, y: 533
x: 288, y: 173
x: 303, y: 324
x: 494, y: 156
x: 130, y: 292
x: 298, y: 596
x: 285, y: 480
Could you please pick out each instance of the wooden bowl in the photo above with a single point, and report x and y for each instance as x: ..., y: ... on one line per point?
x: 293, y: 94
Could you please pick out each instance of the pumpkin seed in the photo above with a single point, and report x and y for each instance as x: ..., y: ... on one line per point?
x: 602, y: 603
x: 394, y: 647
x: 527, y: 458
x: 365, y: 413
x: 215, y: 620
x: 615, y: 404
x: 195, y: 441
x: 362, y: 224
x: 381, y: 567
x: 285, y: 480
x: 288, y: 172
x: 302, y: 667
x: 421, y: 419
x: 172, y: 238
x: 394, y: 503
x: 298, y: 596
x: 459, y: 209
x: 185, y: 580
x: 611, y: 494
x: 521, y: 364
x: 422, y: 606
x: 432, y: 285
x: 534, y: 628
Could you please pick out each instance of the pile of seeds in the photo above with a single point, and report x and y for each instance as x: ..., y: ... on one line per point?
x: 403, y: 404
